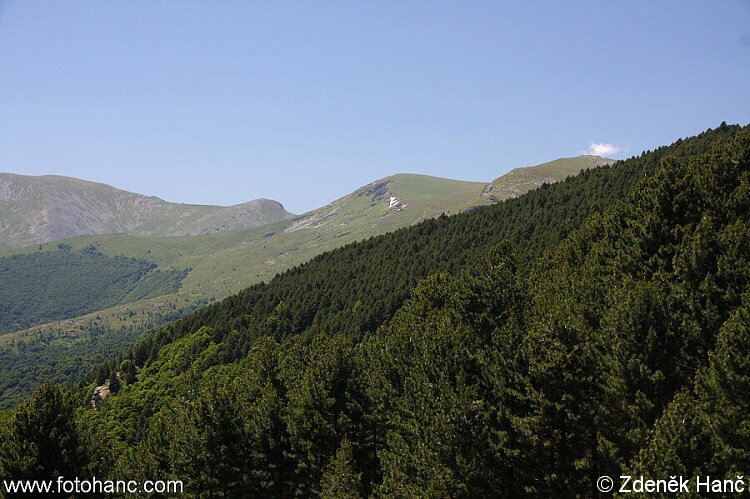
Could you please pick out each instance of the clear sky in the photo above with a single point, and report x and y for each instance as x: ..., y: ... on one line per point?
x: 220, y: 102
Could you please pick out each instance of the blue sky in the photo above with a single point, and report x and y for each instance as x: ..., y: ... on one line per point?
x: 220, y: 102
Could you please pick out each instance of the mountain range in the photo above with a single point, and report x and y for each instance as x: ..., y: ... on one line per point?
x: 40, y: 209
x: 204, y: 253
x: 228, y: 248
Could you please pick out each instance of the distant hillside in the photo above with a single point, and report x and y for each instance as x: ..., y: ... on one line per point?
x: 45, y: 286
x: 522, y: 180
x: 228, y: 261
x: 225, y: 260
x: 393, y: 202
x: 40, y: 209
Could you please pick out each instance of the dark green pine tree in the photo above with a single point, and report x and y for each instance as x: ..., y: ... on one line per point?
x: 724, y: 388
x: 322, y: 406
x: 681, y: 444
x: 40, y: 439
x: 229, y: 439
x: 565, y: 375
x: 642, y: 369
x: 424, y: 390
x: 340, y: 479
x: 128, y: 370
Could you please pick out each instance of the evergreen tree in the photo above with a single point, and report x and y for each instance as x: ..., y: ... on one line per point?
x: 723, y: 387
x: 322, y: 406
x: 340, y: 479
x: 41, y: 440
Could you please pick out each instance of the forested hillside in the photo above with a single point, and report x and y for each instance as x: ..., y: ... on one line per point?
x: 220, y: 262
x: 359, y: 287
x: 586, y: 328
x: 41, y: 287
x: 52, y: 288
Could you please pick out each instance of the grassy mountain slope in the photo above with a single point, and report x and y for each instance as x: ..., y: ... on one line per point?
x: 40, y: 209
x: 481, y: 379
x: 228, y: 261
x: 522, y: 180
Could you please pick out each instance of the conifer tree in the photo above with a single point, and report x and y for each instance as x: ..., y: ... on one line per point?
x: 41, y: 439
x: 340, y: 479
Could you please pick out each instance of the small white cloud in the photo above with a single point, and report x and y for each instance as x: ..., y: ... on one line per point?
x: 604, y: 150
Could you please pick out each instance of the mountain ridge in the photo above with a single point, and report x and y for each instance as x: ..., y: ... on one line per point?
x: 39, y: 209
x: 45, y: 208
x: 520, y: 180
